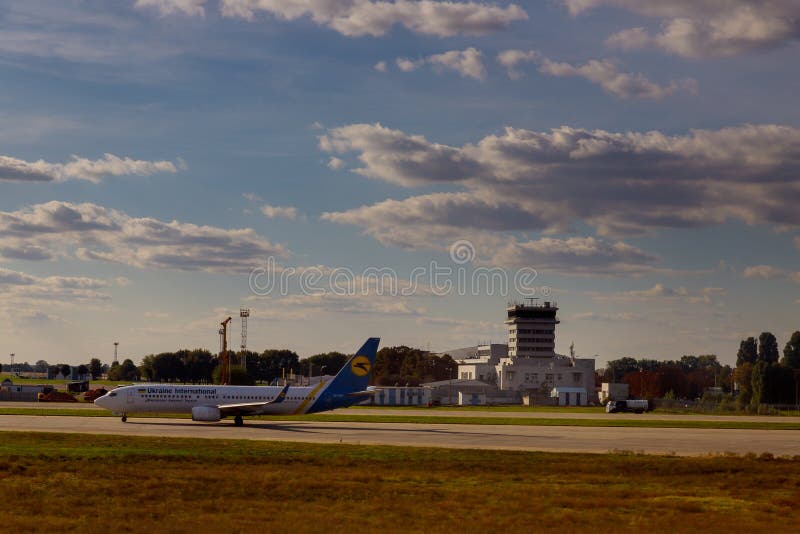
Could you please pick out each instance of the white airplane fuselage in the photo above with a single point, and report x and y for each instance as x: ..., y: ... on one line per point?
x: 167, y: 398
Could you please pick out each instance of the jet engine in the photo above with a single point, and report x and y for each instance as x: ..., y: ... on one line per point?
x: 206, y: 413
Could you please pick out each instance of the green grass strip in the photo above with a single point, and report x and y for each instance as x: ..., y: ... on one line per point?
x: 445, y: 420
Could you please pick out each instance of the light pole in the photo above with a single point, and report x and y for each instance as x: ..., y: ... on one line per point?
x: 12, y: 363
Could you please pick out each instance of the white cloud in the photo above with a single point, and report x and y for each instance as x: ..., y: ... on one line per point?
x: 604, y: 73
x: 91, y: 232
x: 576, y: 255
x: 700, y: 28
x: 408, y: 65
x: 511, y: 58
x: 768, y: 272
x: 380, y: 66
x: 17, y: 285
x: 252, y: 197
x: 336, y: 163
x: 606, y: 317
x: 706, y: 295
x: 621, y: 84
x: 619, y: 183
x: 172, y: 7
x: 279, y: 212
x: 468, y: 63
x: 355, y: 18
x: 13, y: 169
x: 765, y: 272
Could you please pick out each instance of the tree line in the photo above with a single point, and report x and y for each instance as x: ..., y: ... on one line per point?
x: 687, y: 378
x: 761, y: 375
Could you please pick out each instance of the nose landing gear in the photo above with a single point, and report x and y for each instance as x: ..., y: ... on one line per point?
x: 124, y: 418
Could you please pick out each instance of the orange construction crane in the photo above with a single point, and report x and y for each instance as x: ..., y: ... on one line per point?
x: 225, y: 368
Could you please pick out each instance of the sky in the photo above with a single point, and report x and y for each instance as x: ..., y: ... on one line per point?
x: 401, y: 169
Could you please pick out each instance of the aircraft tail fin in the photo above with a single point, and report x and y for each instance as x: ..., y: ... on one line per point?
x: 355, y: 374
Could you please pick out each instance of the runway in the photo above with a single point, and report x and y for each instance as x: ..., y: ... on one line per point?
x: 555, y: 413
x: 686, y: 442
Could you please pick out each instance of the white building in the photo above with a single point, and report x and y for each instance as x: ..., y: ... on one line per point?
x: 529, y: 363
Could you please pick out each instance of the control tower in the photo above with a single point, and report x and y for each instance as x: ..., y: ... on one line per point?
x: 532, y: 329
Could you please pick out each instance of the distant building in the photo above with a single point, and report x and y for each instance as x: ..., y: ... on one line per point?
x: 529, y: 364
x: 402, y: 396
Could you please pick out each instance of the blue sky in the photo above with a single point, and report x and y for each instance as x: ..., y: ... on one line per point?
x: 642, y: 157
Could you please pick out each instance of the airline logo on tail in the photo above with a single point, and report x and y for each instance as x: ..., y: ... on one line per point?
x: 360, y: 366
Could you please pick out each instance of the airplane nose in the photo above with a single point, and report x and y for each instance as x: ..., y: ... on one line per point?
x: 102, y: 401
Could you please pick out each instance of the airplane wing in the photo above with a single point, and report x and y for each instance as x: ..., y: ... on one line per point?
x: 251, y: 407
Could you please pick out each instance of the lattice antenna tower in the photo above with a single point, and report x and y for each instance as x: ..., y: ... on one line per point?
x: 244, y: 313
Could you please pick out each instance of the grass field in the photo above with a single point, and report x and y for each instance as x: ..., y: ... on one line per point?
x: 59, y: 482
x: 422, y: 419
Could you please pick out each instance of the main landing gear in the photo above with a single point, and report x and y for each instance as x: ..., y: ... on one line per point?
x: 238, y: 421
x: 124, y: 418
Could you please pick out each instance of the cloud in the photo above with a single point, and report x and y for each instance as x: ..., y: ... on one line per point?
x: 620, y: 184
x: 252, y: 197
x: 380, y: 66
x: 13, y: 169
x: 173, y: 7
x: 661, y: 292
x: 576, y: 255
x: 768, y: 272
x: 606, y: 317
x: 765, y: 272
x: 511, y: 58
x: 604, y: 73
x: 95, y: 233
x: 356, y: 18
x: 279, y: 212
x: 620, y: 84
x: 702, y: 28
x: 336, y: 163
x: 468, y: 63
x: 18, y: 285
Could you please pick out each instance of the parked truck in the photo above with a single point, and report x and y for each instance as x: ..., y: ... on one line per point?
x: 630, y: 405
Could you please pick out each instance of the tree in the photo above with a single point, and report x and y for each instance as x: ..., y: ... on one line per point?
x: 744, y: 379
x: 95, y: 368
x: 65, y: 370
x: 83, y: 370
x: 128, y: 370
x: 791, y: 352
x: 331, y: 361
x: 115, y: 371
x: 767, y: 348
x: 758, y: 383
x: 748, y: 352
x: 41, y: 366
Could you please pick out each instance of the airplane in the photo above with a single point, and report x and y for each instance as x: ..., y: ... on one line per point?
x: 212, y: 403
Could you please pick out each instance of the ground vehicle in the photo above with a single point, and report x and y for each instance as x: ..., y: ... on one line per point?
x: 630, y: 405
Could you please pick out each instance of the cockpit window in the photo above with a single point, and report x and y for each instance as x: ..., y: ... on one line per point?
x: 112, y: 394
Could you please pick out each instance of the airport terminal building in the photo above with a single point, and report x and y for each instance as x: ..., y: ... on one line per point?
x: 529, y: 364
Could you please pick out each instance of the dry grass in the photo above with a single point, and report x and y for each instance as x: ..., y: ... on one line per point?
x: 60, y: 482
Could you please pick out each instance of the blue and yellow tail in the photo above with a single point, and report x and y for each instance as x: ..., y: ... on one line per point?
x: 352, y: 379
